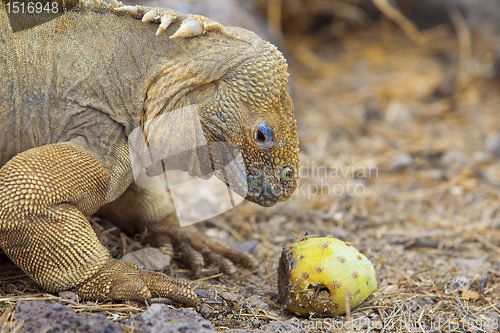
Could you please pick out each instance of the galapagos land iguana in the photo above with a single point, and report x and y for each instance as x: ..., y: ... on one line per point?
x: 74, y: 89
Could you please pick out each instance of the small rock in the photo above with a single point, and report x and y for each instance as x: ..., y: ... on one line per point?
x: 424, y: 301
x: 43, y: 316
x: 232, y: 297
x: 243, y: 292
x: 434, y: 330
x: 69, y: 295
x: 436, y: 174
x: 399, y: 116
x: 205, y: 294
x: 492, y: 314
x: 460, y: 283
x: 338, y: 215
x: 372, y: 111
x: 455, y: 159
x: 255, y: 301
x: 161, y: 318
x: 216, y: 233
x: 291, y: 326
x: 205, y: 310
x: 457, y: 190
x: 57, y: 306
x: 148, y: 258
x: 481, y: 156
x: 470, y: 265
x: 247, y: 246
x: 492, y: 145
x: 491, y: 175
x: 400, y: 161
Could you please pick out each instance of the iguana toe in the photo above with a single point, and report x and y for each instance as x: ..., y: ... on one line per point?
x: 132, y: 10
x: 153, y: 15
x: 161, y: 285
x: 196, y: 250
x: 152, y: 212
x: 115, y: 3
x: 196, y: 25
x: 165, y: 21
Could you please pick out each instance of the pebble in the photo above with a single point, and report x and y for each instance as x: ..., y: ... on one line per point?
x: 492, y: 145
x: 148, y: 258
x: 232, y: 297
x: 205, y: 310
x: 400, y: 161
x: 455, y: 159
x: 57, y: 306
x: 399, y: 116
x: 256, y: 301
x: 460, y: 283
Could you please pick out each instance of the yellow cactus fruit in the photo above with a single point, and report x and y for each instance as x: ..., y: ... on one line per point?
x: 314, y: 273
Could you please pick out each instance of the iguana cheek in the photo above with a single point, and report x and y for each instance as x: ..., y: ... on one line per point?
x: 202, y: 93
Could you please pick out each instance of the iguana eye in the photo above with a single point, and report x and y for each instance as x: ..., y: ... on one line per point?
x: 263, y: 135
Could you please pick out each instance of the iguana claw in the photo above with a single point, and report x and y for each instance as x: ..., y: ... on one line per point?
x: 132, y: 10
x: 197, y: 25
x: 116, y: 3
x: 188, y: 28
x: 151, y: 15
x: 165, y: 20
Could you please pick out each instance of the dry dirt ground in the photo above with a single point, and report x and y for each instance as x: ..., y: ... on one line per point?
x: 400, y: 156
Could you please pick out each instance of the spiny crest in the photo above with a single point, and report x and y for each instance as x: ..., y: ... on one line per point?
x: 262, y: 80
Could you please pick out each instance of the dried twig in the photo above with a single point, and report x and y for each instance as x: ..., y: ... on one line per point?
x: 464, y: 46
x: 385, y: 7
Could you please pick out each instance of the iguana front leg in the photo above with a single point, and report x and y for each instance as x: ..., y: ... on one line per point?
x: 45, y: 195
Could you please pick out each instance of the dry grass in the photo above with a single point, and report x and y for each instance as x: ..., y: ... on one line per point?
x: 419, y: 115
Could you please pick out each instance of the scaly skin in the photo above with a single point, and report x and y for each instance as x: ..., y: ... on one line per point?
x: 76, y: 87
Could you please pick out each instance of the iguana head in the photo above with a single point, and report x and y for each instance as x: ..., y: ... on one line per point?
x: 250, y: 108
x: 239, y: 88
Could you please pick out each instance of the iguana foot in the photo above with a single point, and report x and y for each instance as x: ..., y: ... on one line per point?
x: 139, y: 209
x: 191, y: 26
x: 118, y: 280
x: 195, y: 250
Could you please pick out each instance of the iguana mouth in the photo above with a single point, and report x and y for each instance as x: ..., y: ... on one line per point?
x: 268, y: 190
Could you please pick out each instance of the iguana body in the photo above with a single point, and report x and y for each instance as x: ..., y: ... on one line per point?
x: 76, y: 87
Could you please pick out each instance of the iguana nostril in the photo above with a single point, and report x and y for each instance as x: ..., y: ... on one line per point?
x: 287, y: 174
